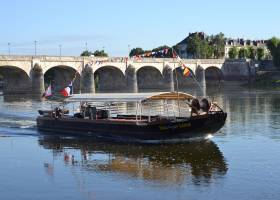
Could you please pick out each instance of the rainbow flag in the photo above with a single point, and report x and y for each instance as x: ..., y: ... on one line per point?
x: 185, y: 70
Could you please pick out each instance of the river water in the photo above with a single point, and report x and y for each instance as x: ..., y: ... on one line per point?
x: 241, y: 161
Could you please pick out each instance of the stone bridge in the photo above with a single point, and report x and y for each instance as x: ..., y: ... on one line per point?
x: 31, y: 74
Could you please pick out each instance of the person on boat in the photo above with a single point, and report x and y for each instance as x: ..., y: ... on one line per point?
x: 195, y: 107
x: 204, y: 105
x: 57, y: 113
x: 83, y: 110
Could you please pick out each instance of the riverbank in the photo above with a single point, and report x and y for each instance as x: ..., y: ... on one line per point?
x: 268, y: 79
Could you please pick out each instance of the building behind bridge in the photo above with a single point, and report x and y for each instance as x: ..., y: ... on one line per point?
x: 229, y: 43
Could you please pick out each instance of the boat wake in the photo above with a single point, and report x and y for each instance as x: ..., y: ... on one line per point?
x: 17, y: 123
x: 181, y: 140
x: 12, y: 125
x: 163, y: 141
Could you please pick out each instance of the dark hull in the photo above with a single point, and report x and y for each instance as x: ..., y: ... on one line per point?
x: 130, y: 130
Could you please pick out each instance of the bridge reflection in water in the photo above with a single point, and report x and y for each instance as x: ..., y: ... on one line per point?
x: 197, y: 161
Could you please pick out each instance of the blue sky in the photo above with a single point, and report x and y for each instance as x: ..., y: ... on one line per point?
x: 115, y: 25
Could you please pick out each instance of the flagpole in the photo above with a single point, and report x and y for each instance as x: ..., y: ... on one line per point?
x: 177, y: 85
x: 192, y: 76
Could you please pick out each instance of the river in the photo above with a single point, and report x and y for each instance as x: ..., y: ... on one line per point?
x: 241, y: 161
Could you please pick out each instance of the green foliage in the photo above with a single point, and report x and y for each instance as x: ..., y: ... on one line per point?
x: 251, y: 52
x: 193, y: 46
x: 207, y: 50
x: 99, y: 53
x: 210, y: 47
x: 233, y: 53
x: 198, y: 47
x: 272, y: 44
x: 161, y: 48
x: 260, y: 53
x: 136, y: 51
x: 218, y: 44
x: 140, y: 51
x: 274, y: 47
x: 86, y: 53
x: 243, y: 53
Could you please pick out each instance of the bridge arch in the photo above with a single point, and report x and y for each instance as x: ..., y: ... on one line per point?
x: 213, y: 75
x: 109, y: 78
x: 61, y: 75
x: 49, y: 65
x: 14, y: 80
x: 149, y: 77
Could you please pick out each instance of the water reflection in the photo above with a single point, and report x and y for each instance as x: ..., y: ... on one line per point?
x: 196, y: 161
x: 20, y: 97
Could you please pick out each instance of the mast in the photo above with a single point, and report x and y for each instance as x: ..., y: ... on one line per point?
x: 176, y: 76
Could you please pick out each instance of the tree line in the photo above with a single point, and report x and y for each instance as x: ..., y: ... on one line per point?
x: 203, y: 47
x: 97, y: 53
x: 273, y: 45
x: 139, y: 51
x: 196, y: 47
x: 247, y: 52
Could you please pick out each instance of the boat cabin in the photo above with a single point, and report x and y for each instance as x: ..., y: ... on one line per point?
x: 140, y: 107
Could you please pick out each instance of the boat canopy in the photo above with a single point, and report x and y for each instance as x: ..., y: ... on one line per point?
x: 128, y: 97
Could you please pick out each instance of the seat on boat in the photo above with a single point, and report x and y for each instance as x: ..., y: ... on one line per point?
x: 102, y: 114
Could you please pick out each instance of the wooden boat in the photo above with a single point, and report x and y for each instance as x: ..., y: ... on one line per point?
x: 134, y: 116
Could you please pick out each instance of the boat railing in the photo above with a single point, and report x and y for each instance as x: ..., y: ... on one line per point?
x: 167, y: 109
x: 146, y: 110
x: 163, y: 109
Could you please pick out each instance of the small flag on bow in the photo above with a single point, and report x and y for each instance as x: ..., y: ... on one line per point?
x: 48, y: 92
x: 68, y: 91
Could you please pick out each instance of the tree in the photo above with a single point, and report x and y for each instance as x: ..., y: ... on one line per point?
x: 193, y: 46
x: 243, y: 53
x: 233, y: 53
x: 207, y: 51
x: 161, y: 48
x: 260, y: 53
x: 272, y: 44
x: 136, y: 51
x: 251, y: 52
x: 86, y: 53
x: 198, y: 47
x: 101, y: 53
x: 274, y: 47
x: 218, y: 44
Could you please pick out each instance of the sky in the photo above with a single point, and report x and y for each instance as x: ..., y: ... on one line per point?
x: 117, y: 26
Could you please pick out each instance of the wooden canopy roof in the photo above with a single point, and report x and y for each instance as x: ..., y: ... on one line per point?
x: 128, y: 97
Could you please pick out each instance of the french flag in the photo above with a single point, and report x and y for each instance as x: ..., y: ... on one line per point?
x: 68, y: 91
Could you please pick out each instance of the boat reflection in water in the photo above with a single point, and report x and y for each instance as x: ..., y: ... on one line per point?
x: 199, y: 161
